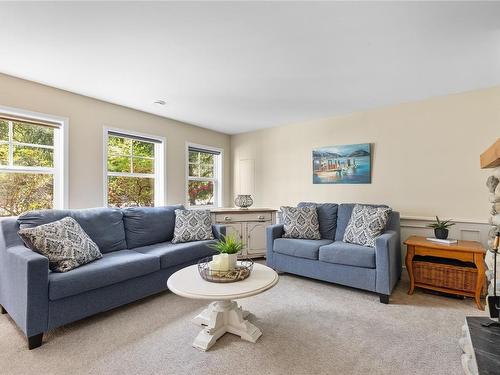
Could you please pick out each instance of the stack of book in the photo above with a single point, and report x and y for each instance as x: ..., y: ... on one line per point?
x: 447, y: 242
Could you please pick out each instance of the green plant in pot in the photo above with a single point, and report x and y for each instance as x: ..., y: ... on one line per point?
x: 228, y: 247
x: 441, y: 228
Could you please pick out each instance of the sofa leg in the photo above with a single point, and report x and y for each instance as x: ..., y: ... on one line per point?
x: 35, y: 341
x: 384, y: 298
x: 2, y: 310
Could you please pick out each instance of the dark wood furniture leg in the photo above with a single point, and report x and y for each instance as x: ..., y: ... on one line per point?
x: 410, y: 252
x: 384, y: 298
x: 2, y: 310
x: 35, y: 341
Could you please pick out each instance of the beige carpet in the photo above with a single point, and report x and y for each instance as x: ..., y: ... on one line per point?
x: 310, y: 327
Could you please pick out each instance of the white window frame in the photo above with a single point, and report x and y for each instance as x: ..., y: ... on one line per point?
x: 217, y: 180
x: 160, y: 192
x: 60, y: 155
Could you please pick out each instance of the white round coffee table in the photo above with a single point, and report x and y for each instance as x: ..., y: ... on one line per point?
x: 223, y: 315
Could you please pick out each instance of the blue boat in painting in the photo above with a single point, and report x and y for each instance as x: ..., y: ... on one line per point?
x: 345, y: 164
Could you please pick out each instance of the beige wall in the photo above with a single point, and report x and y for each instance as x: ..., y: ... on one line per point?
x: 88, y: 116
x: 425, y: 157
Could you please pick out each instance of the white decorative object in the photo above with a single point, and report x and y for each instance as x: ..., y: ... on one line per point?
x: 223, y: 262
x: 223, y: 315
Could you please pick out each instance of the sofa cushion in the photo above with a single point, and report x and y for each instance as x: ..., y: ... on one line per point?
x: 327, y: 217
x: 348, y: 254
x: 344, y: 215
x: 366, y: 224
x: 192, y: 225
x: 63, y: 242
x: 103, y: 225
x: 301, y: 222
x: 149, y: 225
x: 112, y: 268
x: 299, y: 248
x: 171, y: 254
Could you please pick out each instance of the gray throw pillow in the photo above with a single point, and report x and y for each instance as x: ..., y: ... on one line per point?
x: 301, y: 222
x: 366, y: 224
x: 192, y: 225
x: 63, y: 242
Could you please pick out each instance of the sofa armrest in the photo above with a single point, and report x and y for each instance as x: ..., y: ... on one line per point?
x: 272, y: 232
x: 24, y: 277
x: 218, y: 231
x: 388, y: 261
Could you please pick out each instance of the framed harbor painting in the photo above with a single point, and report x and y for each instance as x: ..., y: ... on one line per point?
x: 344, y: 164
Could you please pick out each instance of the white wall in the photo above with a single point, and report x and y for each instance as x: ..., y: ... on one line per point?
x: 425, y: 158
x: 88, y: 116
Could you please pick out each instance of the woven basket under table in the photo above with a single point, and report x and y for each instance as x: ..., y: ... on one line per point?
x: 444, y: 275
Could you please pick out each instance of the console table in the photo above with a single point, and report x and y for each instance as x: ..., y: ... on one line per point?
x: 446, y: 268
x: 247, y: 224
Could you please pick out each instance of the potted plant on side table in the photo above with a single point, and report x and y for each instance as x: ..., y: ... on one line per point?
x: 441, y: 228
x: 228, y: 247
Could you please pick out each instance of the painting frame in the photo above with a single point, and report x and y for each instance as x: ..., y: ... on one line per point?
x: 342, y: 164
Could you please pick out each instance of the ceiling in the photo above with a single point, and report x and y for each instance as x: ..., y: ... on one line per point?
x: 240, y: 66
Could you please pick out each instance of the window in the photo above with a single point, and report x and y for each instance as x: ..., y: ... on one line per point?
x: 31, y: 162
x: 203, y: 176
x: 134, y: 169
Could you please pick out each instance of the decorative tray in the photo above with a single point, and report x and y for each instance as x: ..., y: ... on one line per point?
x: 241, y: 272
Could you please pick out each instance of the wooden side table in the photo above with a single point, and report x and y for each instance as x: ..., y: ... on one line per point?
x: 436, y: 254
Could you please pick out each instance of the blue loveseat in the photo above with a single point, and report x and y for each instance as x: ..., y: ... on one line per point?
x: 138, y: 257
x: 330, y: 259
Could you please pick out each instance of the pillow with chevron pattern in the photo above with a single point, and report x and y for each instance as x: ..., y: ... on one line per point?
x: 301, y: 222
x: 63, y: 242
x: 192, y: 225
x: 366, y: 224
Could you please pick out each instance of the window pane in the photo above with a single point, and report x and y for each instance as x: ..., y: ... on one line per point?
x: 20, y: 192
x: 206, y: 158
x: 143, y: 165
x: 119, y: 164
x: 4, y: 154
x: 143, y: 149
x: 130, y: 191
x: 200, y: 193
x: 194, y: 170
x: 207, y: 170
x: 35, y: 134
x: 27, y: 156
x: 119, y: 145
x: 193, y: 156
x: 4, y: 130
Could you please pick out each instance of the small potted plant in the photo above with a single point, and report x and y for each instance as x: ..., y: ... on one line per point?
x: 228, y: 248
x: 441, y: 228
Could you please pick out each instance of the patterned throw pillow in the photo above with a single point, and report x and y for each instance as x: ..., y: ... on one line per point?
x: 192, y: 225
x: 366, y: 224
x: 301, y: 222
x: 63, y: 242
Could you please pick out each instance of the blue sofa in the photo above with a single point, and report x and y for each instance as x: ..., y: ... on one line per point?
x: 330, y: 259
x: 138, y: 257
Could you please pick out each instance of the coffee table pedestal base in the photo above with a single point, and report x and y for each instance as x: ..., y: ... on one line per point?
x: 221, y: 317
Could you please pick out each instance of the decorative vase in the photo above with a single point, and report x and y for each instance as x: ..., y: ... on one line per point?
x: 243, y: 201
x: 223, y: 262
x: 441, y: 233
